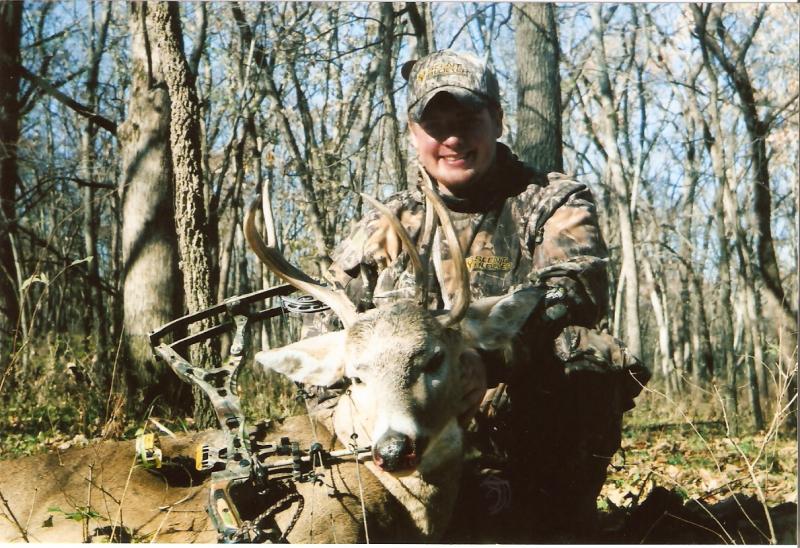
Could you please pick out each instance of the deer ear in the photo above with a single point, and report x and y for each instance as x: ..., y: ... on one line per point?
x: 492, y: 322
x: 316, y: 360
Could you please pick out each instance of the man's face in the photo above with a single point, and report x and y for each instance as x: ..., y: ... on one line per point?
x: 455, y: 144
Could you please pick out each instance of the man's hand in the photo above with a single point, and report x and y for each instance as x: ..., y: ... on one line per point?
x: 473, y: 386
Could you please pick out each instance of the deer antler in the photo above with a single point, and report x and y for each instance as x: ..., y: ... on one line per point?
x: 426, y: 237
x: 462, y: 293
x: 276, y: 262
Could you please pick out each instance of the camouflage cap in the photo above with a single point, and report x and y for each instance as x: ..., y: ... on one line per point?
x: 463, y: 75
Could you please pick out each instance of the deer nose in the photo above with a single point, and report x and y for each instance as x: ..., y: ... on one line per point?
x: 395, y: 451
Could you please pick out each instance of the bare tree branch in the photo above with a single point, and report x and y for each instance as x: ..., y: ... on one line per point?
x: 82, y: 110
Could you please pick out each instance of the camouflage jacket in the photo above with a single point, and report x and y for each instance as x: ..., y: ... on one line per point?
x: 521, y: 227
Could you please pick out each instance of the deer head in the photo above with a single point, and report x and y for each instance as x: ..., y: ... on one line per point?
x: 404, y: 362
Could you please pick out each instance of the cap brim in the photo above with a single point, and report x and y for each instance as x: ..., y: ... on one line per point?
x: 465, y: 97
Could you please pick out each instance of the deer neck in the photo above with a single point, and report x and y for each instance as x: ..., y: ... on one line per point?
x: 428, y: 493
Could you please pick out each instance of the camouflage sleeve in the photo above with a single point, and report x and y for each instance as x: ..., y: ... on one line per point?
x: 344, y: 273
x: 570, y: 261
x: 371, y: 246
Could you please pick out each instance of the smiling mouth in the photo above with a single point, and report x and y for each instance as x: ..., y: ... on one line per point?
x: 458, y: 158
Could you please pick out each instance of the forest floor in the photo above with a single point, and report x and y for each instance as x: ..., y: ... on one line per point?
x: 691, y: 454
x: 661, y: 445
x: 673, y: 468
x: 689, y: 462
x: 701, y: 462
x: 687, y: 446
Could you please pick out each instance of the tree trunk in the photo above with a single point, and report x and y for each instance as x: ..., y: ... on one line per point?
x: 96, y: 308
x: 387, y: 83
x: 755, y: 356
x: 727, y: 334
x: 190, y: 211
x: 538, y: 139
x: 755, y: 394
x: 608, y: 136
x: 750, y: 317
x: 727, y: 226
x: 691, y: 340
x: 662, y: 321
x: 419, y: 14
x: 10, y: 28
x: 422, y: 46
x: 151, y: 281
x: 700, y: 327
x: 703, y: 357
x: 226, y: 252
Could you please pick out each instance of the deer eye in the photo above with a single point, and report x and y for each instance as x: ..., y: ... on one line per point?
x: 435, y: 362
x: 355, y: 380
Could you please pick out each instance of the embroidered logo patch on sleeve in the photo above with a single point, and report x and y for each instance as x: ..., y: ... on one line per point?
x: 477, y: 262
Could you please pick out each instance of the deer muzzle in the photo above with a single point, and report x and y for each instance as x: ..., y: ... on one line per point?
x: 395, y: 452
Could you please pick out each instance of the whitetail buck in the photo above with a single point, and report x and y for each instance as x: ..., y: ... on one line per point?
x: 404, y: 366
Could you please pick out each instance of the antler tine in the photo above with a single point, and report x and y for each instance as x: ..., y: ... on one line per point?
x: 420, y: 280
x: 462, y: 293
x: 426, y: 238
x: 273, y: 259
x: 269, y: 219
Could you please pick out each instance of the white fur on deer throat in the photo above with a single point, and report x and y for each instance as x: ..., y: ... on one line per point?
x: 428, y: 493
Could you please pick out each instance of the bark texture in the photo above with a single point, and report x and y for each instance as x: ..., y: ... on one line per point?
x: 539, y: 87
x: 190, y: 211
x: 151, y: 282
x: 10, y: 26
x: 95, y: 312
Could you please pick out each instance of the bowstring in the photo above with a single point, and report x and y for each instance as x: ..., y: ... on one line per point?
x: 314, y: 463
x: 310, y: 418
x: 354, y: 449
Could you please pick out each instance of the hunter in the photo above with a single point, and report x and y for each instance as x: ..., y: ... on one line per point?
x: 541, y: 438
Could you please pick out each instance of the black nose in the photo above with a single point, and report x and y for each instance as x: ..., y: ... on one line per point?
x: 395, y: 451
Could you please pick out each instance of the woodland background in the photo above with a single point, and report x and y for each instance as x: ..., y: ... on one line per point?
x: 133, y: 136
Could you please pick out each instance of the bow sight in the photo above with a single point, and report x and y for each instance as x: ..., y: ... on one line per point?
x: 249, y: 482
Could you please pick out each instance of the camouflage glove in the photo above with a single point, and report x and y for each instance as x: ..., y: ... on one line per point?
x: 575, y: 293
x: 566, y: 302
x: 585, y: 351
